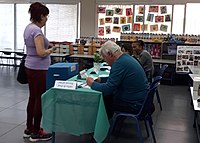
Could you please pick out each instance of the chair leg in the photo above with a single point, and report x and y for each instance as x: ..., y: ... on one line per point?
x: 158, y: 98
x: 53, y: 137
x: 112, y: 125
x: 151, y: 128
x: 147, y: 130
x: 139, y: 132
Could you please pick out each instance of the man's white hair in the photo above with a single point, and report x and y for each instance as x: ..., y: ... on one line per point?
x: 109, y: 46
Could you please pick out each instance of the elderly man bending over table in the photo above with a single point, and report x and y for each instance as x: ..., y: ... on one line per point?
x: 126, y: 87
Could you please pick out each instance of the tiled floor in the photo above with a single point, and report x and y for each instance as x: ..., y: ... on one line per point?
x: 172, y: 125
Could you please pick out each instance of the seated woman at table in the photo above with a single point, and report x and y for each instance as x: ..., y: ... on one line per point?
x: 144, y: 57
x: 127, y: 48
x: 126, y: 87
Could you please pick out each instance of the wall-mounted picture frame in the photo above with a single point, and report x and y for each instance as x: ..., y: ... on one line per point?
x: 136, y: 27
x: 163, y: 9
x: 163, y: 28
x: 108, y: 30
x: 129, y: 19
x: 139, y: 18
x: 101, y: 9
x: 167, y: 18
x: 154, y: 28
x: 153, y: 8
x: 108, y: 20
x: 123, y: 20
x: 150, y: 17
x: 102, y: 21
x: 126, y: 28
x: 128, y: 11
x: 109, y: 12
x: 116, y: 20
x: 159, y: 19
x: 116, y: 29
x: 141, y: 10
x: 101, y: 31
x: 118, y: 11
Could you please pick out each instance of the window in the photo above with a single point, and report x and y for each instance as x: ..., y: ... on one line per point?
x: 178, y: 19
x: 192, y: 18
x: 62, y: 22
x: 7, y: 26
x: 61, y: 26
x: 22, y: 20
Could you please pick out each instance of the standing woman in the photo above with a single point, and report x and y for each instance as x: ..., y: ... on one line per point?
x: 37, y: 63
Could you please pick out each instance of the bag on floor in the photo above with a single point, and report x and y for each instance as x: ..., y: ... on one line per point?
x: 21, y: 76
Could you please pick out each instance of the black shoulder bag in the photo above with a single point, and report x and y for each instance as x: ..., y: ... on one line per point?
x: 21, y: 76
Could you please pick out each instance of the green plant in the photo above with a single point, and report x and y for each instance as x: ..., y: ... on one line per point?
x: 98, y: 58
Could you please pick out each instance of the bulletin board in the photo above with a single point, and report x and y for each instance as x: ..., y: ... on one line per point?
x: 187, y: 55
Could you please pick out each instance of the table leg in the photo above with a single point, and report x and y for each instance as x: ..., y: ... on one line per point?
x: 53, y: 137
x: 196, y: 124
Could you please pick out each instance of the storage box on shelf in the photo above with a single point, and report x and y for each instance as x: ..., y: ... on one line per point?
x: 60, y: 54
x: 83, y: 54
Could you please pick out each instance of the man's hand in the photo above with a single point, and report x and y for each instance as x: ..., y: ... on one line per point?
x: 89, y: 81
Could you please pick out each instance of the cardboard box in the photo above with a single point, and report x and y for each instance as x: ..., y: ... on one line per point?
x: 60, y: 71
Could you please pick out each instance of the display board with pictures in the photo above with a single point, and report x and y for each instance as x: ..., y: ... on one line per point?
x: 187, y: 55
x: 114, y: 19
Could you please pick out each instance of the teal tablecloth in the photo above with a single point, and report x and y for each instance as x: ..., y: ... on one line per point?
x: 76, y: 112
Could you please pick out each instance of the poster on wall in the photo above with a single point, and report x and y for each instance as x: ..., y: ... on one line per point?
x: 108, y: 30
x: 129, y: 19
x: 150, y: 17
x: 118, y: 11
x: 154, y: 28
x: 141, y: 10
x: 139, y: 18
x: 163, y: 27
x: 116, y: 29
x: 101, y: 9
x: 159, y: 19
x: 126, y: 28
x: 153, y: 8
x: 136, y: 27
x: 101, y: 21
x: 167, y: 18
x: 187, y: 56
x: 116, y: 20
x: 128, y: 11
x: 163, y: 9
x: 144, y: 27
x: 101, y: 31
x: 123, y: 20
x: 109, y: 12
x: 108, y: 20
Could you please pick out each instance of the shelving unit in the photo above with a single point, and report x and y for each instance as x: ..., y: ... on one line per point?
x: 83, y: 54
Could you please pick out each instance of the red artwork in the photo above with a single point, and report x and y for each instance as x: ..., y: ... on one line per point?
x: 101, y: 31
x: 136, y: 27
x: 101, y: 10
x: 159, y: 19
x: 128, y: 11
x: 153, y: 8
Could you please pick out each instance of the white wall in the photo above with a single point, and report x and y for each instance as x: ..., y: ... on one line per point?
x: 87, y: 18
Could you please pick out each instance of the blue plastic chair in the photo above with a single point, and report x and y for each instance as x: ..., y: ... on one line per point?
x: 158, y: 78
x: 162, y: 70
x: 143, y: 115
x: 156, y: 82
